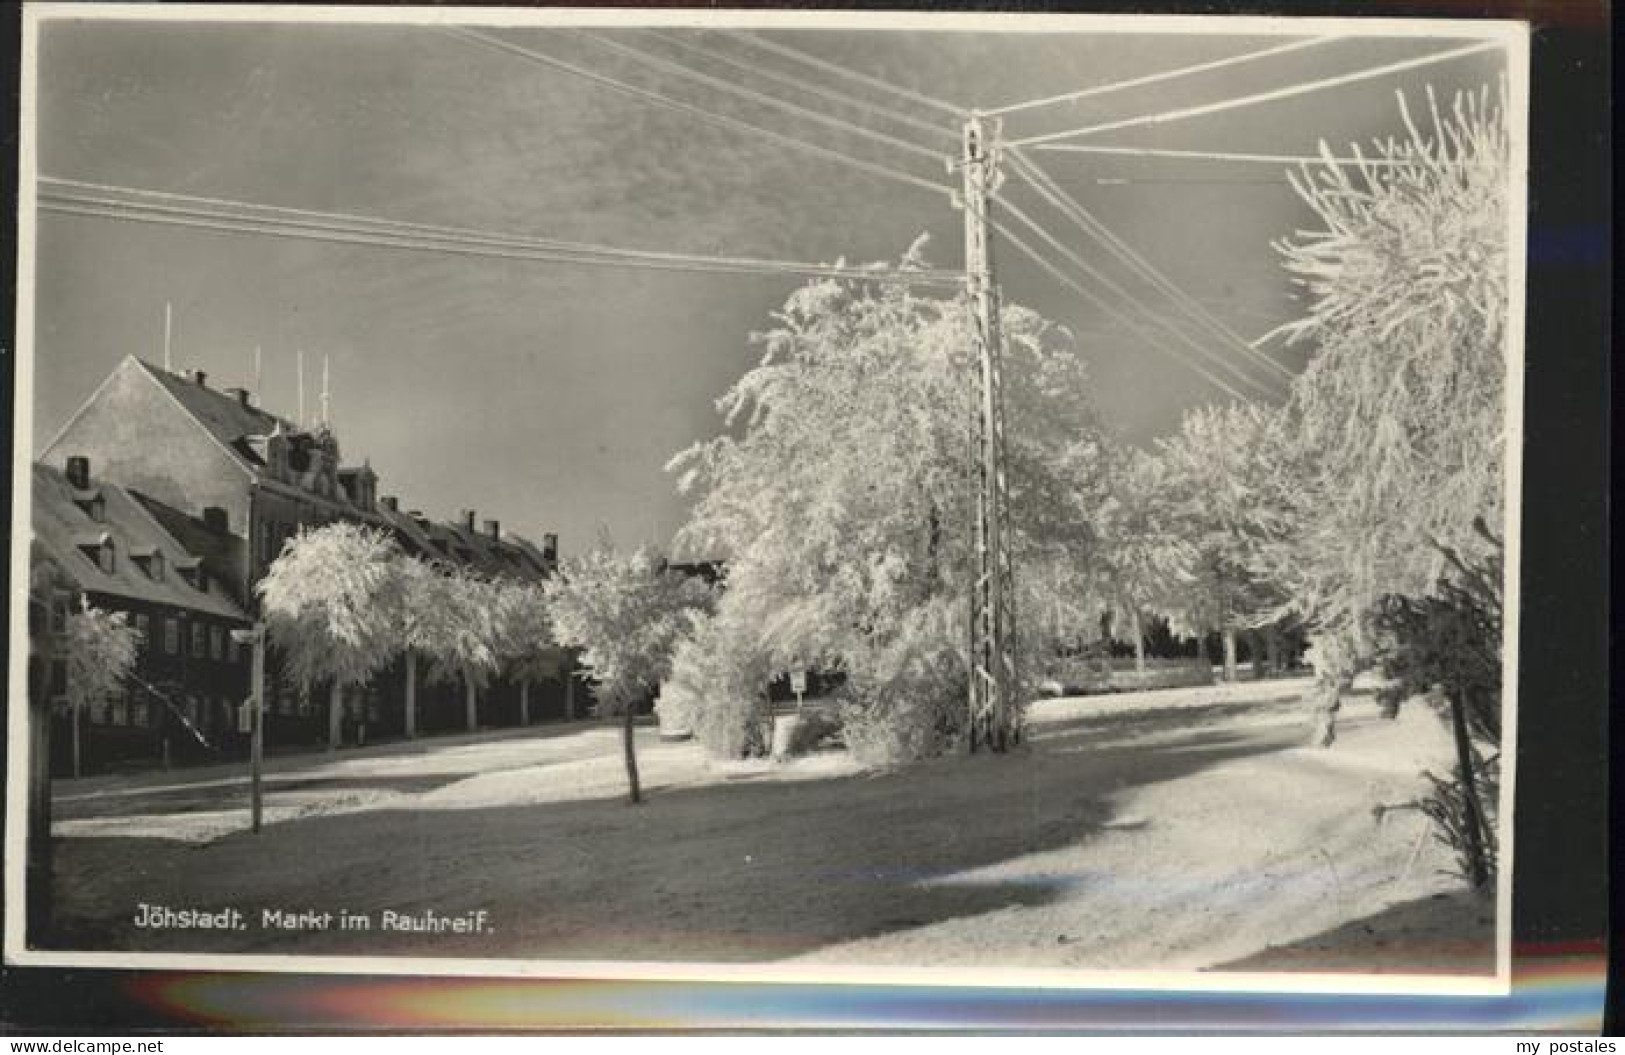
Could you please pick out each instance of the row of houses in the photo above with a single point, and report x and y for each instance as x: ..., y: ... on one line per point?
x: 168, y: 499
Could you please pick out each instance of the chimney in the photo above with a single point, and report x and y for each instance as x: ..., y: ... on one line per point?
x: 390, y: 503
x: 550, y: 547
x: 214, y: 518
x: 78, y: 471
x: 241, y: 395
x: 468, y: 520
x: 493, y: 528
x: 200, y: 378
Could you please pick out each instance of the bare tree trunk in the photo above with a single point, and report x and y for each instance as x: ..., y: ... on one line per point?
x: 1255, y: 643
x: 524, y: 701
x: 411, y: 695
x: 569, y: 696
x: 471, y: 701
x: 335, y: 716
x: 1478, y: 863
x: 1329, y: 691
x: 1139, y: 643
x: 75, y: 730
x: 1272, y: 650
x: 631, y: 753
x: 1229, y: 653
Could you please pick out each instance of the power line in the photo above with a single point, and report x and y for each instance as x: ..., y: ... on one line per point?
x: 1067, y: 280
x: 1084, y: 266
x: 723, y: 120
x: 800, y: 85
x: 761, y: 98
x: 1083, y: 218
x: 207, y: 213
x: 1167, y: 75
x: 814, y: 61
x: 1261, y: 97
x: 1139, y: 304
x: 1218, y: 155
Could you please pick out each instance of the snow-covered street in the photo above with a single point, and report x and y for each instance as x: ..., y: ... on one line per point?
x: 1181, y: 829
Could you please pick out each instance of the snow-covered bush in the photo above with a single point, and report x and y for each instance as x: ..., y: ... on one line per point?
x: 718, y: 688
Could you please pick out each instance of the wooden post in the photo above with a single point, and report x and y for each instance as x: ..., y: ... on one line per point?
x: 256, y: 752
x: 74, y: 732
x: 569, y: 695
x: 631, y: 752
x: 524, y: 700
x: 335, y: 716
x: 471, y: 701
x: 411, y: 721
x: 39, y: 849
x: 1477, y: 859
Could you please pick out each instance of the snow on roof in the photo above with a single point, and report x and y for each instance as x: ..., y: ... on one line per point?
x: 60, y: 528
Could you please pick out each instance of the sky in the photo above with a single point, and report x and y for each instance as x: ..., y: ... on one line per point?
x: 551, y: 396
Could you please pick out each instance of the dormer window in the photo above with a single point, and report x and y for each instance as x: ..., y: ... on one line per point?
x: 151, y: 562
x: 195, y: 575
x: 98, y: 549
x: 92, y: 504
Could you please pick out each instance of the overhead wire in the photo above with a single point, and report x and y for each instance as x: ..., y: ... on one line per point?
x: 718, y: 83
x: 1074, y: 210
x: 1258, y: 98
x: 803, y: 85
x: 722, y: 120
x: 1158, y: 78
x: 1084, y: 266
x: 224, y: 215
x: 797, y: 55
x: 1104, y: 234
x: 1071, y: 283
x: 1220, y: 155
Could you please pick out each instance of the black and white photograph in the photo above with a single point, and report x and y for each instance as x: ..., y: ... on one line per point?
x: 996, y: 498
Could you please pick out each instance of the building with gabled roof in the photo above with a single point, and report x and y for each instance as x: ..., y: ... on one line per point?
x: 108, y: 549
x: 213, y: 453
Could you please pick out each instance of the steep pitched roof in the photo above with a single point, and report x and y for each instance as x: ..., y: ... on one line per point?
x: 220, y: 414
x: 61, y: 527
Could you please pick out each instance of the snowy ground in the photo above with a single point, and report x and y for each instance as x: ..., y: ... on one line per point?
x: 1175, y: 830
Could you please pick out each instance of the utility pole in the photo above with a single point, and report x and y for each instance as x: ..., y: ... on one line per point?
x: 992, y: 618
x: 255, y: 639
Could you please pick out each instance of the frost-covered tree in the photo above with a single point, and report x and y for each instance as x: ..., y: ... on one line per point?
x: 1395, y: 428
x: 464, y: 634
x: 525, y: 645
x: 333, y: 603
x: 1219, y: 479
x: 101, y: 648
x: 625, y: 613
x: 1143, y: 558
x: 840, y: 495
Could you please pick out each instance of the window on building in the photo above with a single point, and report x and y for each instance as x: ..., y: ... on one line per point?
x: 217, y: 644
x: 232, y: 649
x: 140, y: 716
x: 143, y: 629
x: 172, y: 636
x: 108, y: 559
x: 199, y: 645
x: 118, y: 710
x: 155, y: 567
x: 59, y: 677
